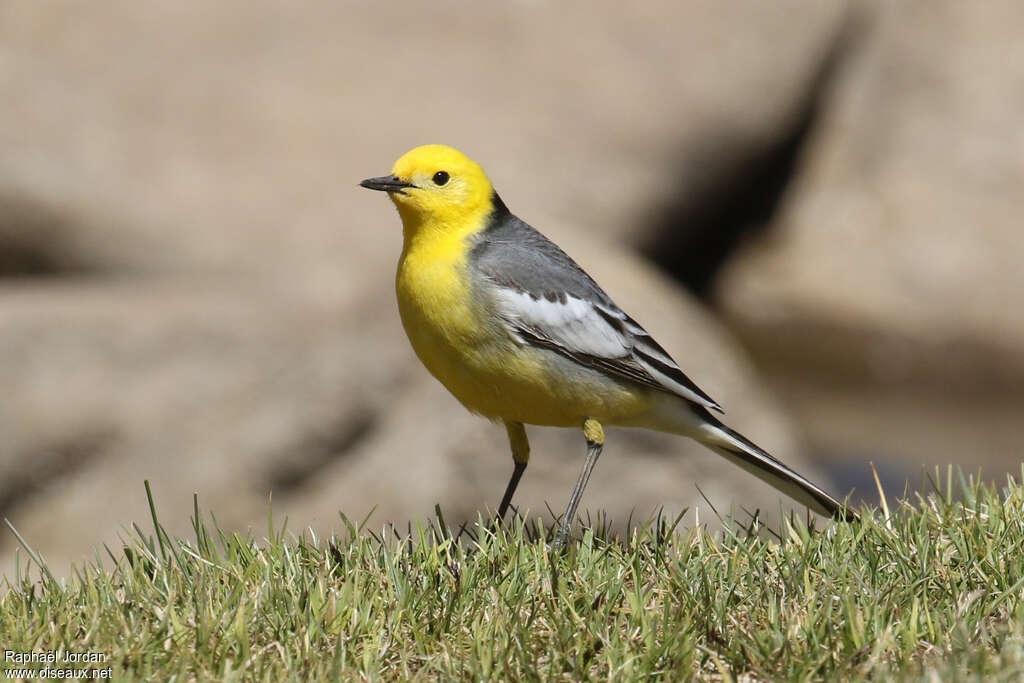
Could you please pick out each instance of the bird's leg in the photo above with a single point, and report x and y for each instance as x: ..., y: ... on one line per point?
x: 594, y: 434
x: 520, y: 455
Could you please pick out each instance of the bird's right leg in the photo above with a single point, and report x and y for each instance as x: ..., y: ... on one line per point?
x: 520, y: 455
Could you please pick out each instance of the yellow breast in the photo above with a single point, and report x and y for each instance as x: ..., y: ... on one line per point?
x: 443, y: 321
x: 434, y: 298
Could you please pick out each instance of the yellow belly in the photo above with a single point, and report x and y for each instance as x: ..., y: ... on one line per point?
x: 461, y: 342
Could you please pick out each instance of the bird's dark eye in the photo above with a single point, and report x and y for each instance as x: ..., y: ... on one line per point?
x: 441, y: 177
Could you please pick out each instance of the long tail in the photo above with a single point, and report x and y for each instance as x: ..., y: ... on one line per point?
x: 741, y: 451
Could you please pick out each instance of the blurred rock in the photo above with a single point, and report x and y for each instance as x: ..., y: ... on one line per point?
x: 188, y: 128
x: 212, y: 306
x: 887, y: 300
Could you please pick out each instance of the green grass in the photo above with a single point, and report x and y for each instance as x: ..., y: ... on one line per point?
x: 932, y: 592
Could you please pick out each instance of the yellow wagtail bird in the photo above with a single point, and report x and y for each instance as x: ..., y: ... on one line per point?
x: 519, y: 333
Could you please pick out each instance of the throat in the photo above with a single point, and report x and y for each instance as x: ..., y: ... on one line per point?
x: 435, y: 300
x: 431, y: 243
x: 433, y: 272
x: 440, y: 228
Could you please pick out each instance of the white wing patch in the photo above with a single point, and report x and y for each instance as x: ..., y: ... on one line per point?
x: 586, y: 329
x: 574, y: 324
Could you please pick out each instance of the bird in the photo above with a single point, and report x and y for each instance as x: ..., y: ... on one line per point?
x: 519, y: 333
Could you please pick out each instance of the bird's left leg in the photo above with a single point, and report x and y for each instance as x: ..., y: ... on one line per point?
x: 594, y: 434
x: 520, y: 456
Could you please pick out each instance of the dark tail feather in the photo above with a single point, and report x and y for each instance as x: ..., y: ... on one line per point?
x: 743, y: 452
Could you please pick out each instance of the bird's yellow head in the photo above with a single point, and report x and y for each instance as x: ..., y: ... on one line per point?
x: 437, y: 186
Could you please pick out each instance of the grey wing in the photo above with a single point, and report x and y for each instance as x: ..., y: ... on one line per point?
x: 545, y: 299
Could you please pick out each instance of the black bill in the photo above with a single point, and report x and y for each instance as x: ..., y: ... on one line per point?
x: 388, y: 183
